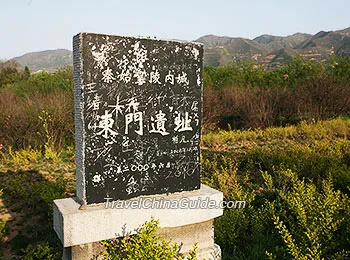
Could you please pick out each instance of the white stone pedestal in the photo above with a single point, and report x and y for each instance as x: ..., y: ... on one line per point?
x: 189, y: 220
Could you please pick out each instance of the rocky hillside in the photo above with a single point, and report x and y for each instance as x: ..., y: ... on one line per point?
x: 271, y: 51
x: 268, y: 50
x: 48, y: 60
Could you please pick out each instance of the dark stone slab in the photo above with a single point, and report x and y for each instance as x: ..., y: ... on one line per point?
x: 138, y: 105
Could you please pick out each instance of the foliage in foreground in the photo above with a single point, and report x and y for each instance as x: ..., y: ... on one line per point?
x: 145, y: 244
x: 295, y: 181
x: 286, y: 218
x: 41, y: 251
x: 309, y: 221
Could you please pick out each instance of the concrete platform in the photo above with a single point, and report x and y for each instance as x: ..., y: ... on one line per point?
x: 185, y: 217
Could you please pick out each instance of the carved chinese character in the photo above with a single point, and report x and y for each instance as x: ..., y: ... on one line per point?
x: 159, y: 124
x: 96, y: 102
x: 125, y: 76
x: 132, y: 104
x: 108, y: 76
x: 134, y: 117
x: 182, y: 79
x: 175, y: 139
x: 117, y: 109
x: 140, y: 76
x: 183, y: 123
x: 170, y: 78
x: 154, y: 76
x: 106, y: 124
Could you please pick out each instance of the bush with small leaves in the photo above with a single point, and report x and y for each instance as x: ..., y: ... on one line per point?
x: 145, y: 244
x: 308, y: 219
x: 40, y: 252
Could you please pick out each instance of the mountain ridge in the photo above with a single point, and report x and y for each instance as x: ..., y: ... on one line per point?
x: 272, y: 51
x: 48, y: 60
x: 266, y: 50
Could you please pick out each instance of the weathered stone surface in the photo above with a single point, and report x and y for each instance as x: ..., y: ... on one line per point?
x: 185, y: 236
x: 138, y: 106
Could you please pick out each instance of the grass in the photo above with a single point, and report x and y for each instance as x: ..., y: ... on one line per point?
x: 302, y: 133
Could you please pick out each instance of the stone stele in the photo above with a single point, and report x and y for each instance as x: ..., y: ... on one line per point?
x: 138, y: 110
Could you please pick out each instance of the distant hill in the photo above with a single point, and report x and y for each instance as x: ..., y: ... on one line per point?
x: 267, y: 50
x: 48, y: 60
x: 271, y: 51
x: 273, y: 43
x: 223, y: 50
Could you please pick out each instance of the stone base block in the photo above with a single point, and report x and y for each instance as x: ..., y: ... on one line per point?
x: 188, y: 220
x: 210, y: 253
x: 201, y: 233
x: 185, y: 236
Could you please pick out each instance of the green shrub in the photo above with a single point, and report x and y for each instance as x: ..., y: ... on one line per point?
x: 287, y: 218
x: 40, y: 252
x: 145, y: 244
x: 308, y: 219
x: 45, y: 83
x: 314, y: 164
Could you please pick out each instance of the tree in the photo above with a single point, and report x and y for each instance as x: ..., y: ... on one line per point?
x: 26, y: 74
x: 9, y: 72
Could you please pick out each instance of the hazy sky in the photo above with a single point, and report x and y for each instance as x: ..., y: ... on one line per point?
x: 36, y: 25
